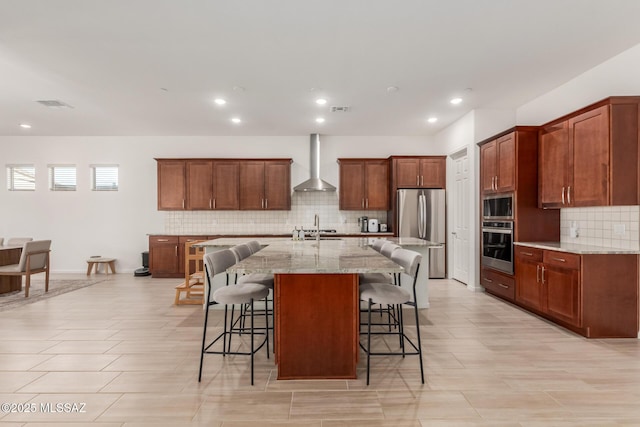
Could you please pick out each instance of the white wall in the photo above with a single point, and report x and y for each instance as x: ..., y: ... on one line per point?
x: 617, y: 76
x: 84, y: 223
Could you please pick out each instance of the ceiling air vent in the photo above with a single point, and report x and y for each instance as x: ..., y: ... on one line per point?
x: 335, y: 109
x: 54, y: 103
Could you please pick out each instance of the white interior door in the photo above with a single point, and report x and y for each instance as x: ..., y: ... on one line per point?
x: 461, y: 204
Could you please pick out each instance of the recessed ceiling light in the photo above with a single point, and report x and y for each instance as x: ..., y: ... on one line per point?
x: 321, y: 101
x: 456, y: 101
x: 432, y: 119
x: 320, y: 120
x: 25, y: 125
x: 392, y: 89
x: 219, y: 101
x: 236, y: 120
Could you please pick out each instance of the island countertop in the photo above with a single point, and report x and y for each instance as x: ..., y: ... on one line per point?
x: 346, y: 256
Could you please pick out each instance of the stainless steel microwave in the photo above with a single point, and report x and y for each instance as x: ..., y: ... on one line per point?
x: 498, y: 207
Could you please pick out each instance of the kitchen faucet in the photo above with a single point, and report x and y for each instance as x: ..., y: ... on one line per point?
x: 316, y: 223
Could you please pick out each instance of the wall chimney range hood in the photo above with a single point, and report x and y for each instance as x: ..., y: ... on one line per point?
x: 314, y: 183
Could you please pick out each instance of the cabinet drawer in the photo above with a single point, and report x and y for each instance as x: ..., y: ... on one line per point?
x: 528, y: 253
x: 562, y: 259
x: 163, y: 239
x: 498, y: 284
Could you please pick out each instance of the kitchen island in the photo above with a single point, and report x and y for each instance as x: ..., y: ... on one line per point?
x: 316, y: 300
x: 10, y: 255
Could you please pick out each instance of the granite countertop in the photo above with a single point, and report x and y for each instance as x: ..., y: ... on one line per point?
x: 337, y: 234
x: 363, y: 241
x: 577, y: 248
x: 308, y: 256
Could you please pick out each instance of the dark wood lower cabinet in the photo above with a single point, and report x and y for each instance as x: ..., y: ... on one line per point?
x: 498, y: 284
x: 595, y: 295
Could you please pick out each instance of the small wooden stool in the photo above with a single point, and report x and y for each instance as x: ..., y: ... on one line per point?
x: 107, y: 262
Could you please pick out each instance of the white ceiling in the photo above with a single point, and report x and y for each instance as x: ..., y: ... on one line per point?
x: 152, y: 67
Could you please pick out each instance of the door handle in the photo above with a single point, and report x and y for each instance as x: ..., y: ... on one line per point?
x: 422, y: 180
x: 214, y: 203
x: 418, y: 180
x: 210, y: 204
x: 538, y: 273
x: 496, y: 182
x: 569, y: 195
x: 563, y: 195
x: 266, y: 203
x: 542, y: 268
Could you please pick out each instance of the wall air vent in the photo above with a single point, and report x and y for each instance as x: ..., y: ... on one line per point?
x: 54, y: 103
x: 335, y: 109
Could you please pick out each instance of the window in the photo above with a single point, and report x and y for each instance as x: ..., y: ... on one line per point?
x: 104, y: 177
x: 21, y: 177
x: 62, y: 177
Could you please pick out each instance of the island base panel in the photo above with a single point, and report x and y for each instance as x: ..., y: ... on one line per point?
x: 317, y: 318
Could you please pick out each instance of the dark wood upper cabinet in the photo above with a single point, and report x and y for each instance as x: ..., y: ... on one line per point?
x: 590, y: 157
x: 224, y: 184
x: 172, y: 190
x: 199, y: 185
x: 364, y: 184
x: 419, y: 172
x: 498, y: 164
x: 265, y: 185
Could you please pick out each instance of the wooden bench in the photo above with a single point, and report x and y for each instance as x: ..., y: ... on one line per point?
x: 108, y: 263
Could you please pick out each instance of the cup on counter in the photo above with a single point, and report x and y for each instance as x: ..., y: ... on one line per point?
x: 383, y: 227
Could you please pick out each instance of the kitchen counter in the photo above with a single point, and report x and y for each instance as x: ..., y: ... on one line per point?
x: 577, y: 248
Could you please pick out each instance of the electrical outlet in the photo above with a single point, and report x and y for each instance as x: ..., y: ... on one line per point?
x: 619, y: 229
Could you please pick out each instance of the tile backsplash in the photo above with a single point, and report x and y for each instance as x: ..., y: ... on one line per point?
x: 303, y: 208
x: 609, y: 226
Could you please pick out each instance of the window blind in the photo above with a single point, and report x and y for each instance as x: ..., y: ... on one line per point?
x: 62, y: 177
x: 21, y: 177
x: 104, y: 177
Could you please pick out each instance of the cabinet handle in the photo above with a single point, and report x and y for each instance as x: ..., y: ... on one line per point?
x: 563, y: 195
x: 538, y: 273
x: 526, y: 253
x: 418, y: 180
x: 182, y: 203
x: 503, y: 286
x: 569, y: 195
x: 422, y: 180
x: 542, y: 268
x: 362, y: 203
x: 487, y: 280
x: 210, y: 204
x: 496, y: 182
x: 559, y: 259
x: 266, y: 203
x: 176, y: 250
x: 214, y: 203
x: 366, y: 204
x: 163, y: 240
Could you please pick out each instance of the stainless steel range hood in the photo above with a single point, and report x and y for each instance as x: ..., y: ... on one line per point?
x: 314, y: 183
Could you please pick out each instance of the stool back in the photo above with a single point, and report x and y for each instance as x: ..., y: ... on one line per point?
x: 388, y: 248
x: 241, y: 251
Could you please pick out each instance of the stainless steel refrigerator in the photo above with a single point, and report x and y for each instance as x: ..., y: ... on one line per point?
x: 422, y: 214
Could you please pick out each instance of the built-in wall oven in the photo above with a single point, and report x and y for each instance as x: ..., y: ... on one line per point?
x: 497, y: 245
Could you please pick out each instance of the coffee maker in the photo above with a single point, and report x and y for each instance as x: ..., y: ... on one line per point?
x: 363, y: 222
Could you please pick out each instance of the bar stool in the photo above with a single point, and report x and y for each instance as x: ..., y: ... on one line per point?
x: 217, y: 263
x: 387, y: 294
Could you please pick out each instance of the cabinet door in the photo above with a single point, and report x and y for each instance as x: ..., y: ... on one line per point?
x: 351, y: 191
x: 433, y: 173
x: 277, y: 185
x: 555, y: 167
x: 589, y: 133
x: 226, y: 185
x: 199, y: 184
x: 528, y: 285
x: 164, y: 256
x: 506, y: 163
x: 377, y: 184
x: 562, y: 294
x: 171, y: 185
x: 488, y: 159
x: 407, y: 173
x: 251, y: 185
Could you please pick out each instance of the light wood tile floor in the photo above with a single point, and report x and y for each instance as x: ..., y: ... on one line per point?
x: 131, y: 357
